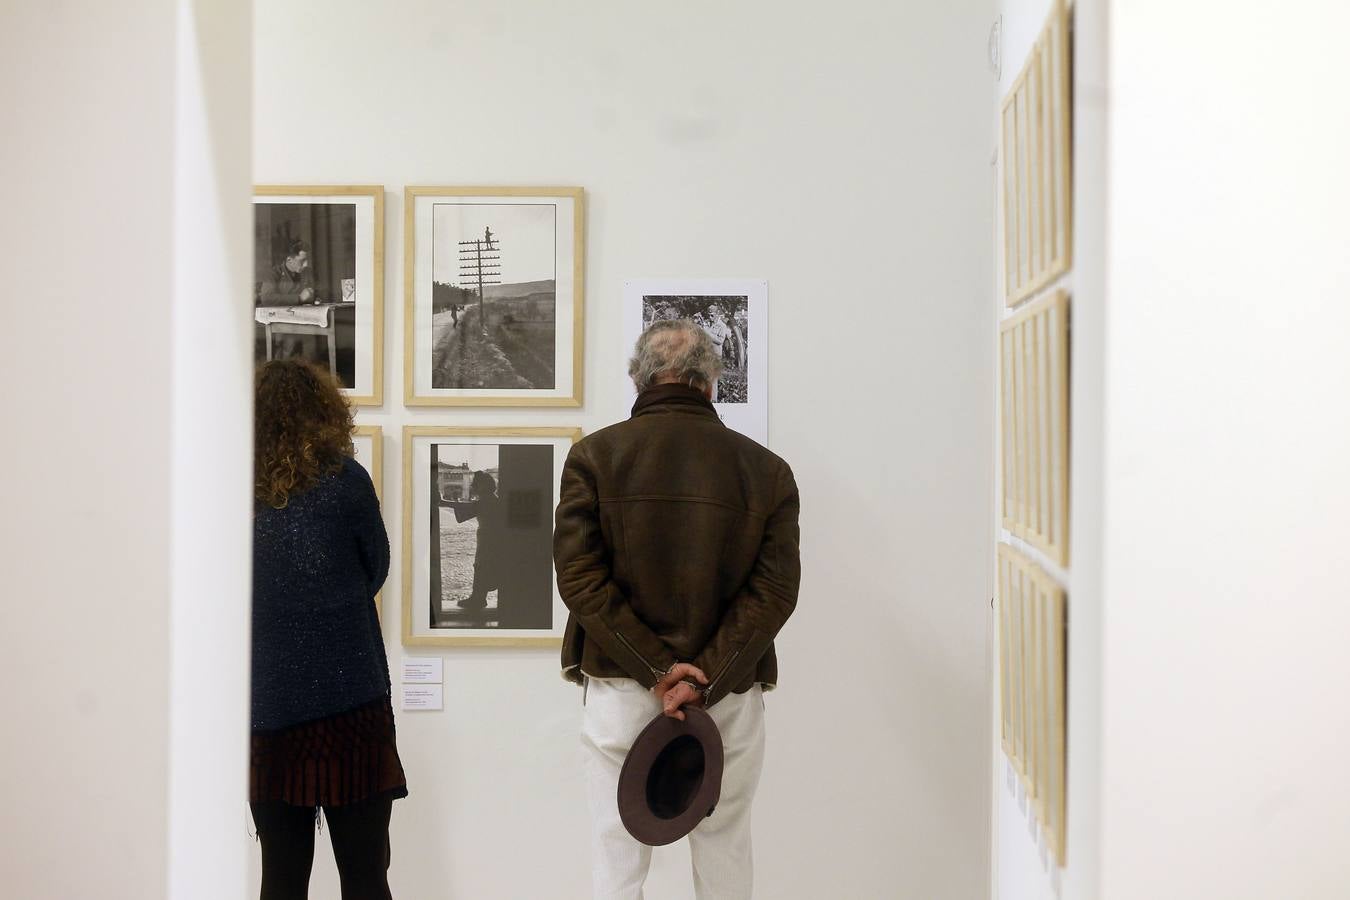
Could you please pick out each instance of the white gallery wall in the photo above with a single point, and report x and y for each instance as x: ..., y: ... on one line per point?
x: 843, y: 155
x: 126, y: 458
x: 1224, y: 726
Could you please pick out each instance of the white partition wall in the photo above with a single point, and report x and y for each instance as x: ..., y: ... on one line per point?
x: 126, y: 455
x: 1226, y: 488
x: 1209, y: 486
x: 211, y: 502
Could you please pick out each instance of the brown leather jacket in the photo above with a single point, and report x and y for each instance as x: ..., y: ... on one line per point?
x: 676, y: 541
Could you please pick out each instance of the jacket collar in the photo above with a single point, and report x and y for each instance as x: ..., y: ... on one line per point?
x: 674, y: 398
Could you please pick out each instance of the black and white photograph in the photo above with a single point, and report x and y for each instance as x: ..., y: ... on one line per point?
x: 478, y: 534
x: 726, y: 320
x: 492, y: 533
x: 317, y: 282
x: 494, y: 297
x: 733, y: 312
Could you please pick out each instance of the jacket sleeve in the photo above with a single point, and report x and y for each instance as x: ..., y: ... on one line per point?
x: 372, y: 541
x: 759, y: 610
x: 271, y: 293
x: 586, y: 581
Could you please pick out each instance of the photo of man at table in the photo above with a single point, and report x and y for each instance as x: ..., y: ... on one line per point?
x: 305, y: 292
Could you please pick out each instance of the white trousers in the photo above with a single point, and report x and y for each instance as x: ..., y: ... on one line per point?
x: 616, y: 712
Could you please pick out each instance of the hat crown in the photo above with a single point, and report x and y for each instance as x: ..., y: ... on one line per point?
x: 675, y: 777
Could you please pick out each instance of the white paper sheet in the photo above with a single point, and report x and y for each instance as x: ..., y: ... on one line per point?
x: 422, y: 696
x: 423, y: 669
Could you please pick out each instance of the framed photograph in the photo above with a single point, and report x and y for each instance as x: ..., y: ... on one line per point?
x: 478, y: 535
x: 368, y: 442
x: 318, y: 281
x: 735, y: 314
x: 494, y: 296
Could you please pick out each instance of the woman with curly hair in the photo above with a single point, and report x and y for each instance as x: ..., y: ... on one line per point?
x: 323, y: 722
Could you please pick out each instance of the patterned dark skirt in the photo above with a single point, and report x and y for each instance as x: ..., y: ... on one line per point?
x: 345, y: 758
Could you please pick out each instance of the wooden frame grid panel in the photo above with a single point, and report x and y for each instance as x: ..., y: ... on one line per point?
x: 1034, y: 425
x: 1036, y: 150
x: 1032, y: 623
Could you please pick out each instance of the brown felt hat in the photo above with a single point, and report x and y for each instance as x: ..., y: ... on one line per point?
x: 672, y: 777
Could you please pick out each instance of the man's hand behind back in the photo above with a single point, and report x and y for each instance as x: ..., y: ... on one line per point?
x: 675, y: 692
x: 681, y: 695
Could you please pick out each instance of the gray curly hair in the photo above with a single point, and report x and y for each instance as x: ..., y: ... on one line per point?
x: 674, y: 349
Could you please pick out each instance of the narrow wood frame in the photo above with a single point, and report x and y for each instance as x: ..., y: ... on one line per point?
x: 1034, y: 424
x: 1019, y: 674
x: 436, y: 640
x: 376, y: 434
x: 1036, y: 153
x: 375, y: 191
x: 1056, y: 693
x: 1004, y: 639
x: 578, y: 195
x: 1035, y: 699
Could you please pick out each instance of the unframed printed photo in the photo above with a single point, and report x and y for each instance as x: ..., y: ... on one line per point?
x: 734, y: 314
x: 725, y: 318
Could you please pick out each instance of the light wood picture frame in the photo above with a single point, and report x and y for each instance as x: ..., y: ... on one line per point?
x: 319, y: 281
x: 1031, y: 598
x: 1034, y: 425
x: 1005, y: 665
x: 1056, y: 718
x: 1037, y: 174
x: 1035, y: 647
x: 494, y: 296
x: 1018, y: 648
x: 497, y: 485
x: 368, y: 442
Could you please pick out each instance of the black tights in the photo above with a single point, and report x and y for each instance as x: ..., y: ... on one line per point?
x: 360, y: 836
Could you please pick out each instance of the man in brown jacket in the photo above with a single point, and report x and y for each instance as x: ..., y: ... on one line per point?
x: 676, y: 548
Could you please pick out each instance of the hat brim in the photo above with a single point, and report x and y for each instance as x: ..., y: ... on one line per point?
x: 634, y: 809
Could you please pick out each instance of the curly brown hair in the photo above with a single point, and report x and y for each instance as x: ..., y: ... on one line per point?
x: 302, y: 429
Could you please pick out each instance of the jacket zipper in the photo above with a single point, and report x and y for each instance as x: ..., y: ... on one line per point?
x: 722, y: 670
x: 633, y: 650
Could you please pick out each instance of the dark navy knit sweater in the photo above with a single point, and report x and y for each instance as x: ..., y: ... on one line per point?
x: 317, y: 565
